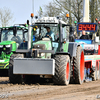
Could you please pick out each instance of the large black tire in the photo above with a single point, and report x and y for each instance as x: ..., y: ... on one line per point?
x: 12, y: 77
x: 62, y: 70
x: 98, y: 72
x: 79, y: 66
x: 99, y: 69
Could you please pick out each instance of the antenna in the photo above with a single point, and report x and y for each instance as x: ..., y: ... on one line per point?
x: 33, y: 6
x: 32, y: 14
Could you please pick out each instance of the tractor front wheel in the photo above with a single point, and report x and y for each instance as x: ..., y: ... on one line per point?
x: 14, y: 78
x: 62, y: 70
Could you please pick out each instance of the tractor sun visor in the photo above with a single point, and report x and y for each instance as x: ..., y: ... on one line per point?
x: 46, y: 27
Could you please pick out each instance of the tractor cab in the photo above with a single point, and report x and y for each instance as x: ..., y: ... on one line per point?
x: 49, y: 34
x: 16, y: 34
x: 11, y: 39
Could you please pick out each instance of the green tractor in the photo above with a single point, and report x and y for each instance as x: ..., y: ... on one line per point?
x: 45, y: 57
x: 10, y: 40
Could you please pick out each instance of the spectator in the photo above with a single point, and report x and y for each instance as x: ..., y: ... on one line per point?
x: 84, y: 36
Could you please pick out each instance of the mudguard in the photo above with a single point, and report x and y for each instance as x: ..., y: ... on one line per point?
x: 72, y: 48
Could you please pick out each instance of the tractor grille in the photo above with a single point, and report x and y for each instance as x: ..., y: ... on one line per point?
x: 40, y: 46
x: 35, y: 53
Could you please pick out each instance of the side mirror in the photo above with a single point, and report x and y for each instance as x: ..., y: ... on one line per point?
x: 71, y: 30
x: 14, y: 31
x: 71, y: 35
x: 27, y: 22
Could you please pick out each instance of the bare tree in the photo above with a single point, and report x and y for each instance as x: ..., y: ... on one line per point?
x: 62, y: 7
x: 6, y: 16
x: 94, y: 10
x: 51, y: 10
x: 74, y: 8
x: 40, y: 12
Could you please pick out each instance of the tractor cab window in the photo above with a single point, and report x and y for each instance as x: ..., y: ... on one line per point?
x: 24, y: 43
x: 0, y: 35
x: 45, y: 31
x: 20, y: 34
x: 25, y: 37
x: 64, y: 31
x: 8, y: 35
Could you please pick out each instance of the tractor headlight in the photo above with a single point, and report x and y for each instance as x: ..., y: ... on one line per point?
x: 48, y: 21
x: 42, y: 21
x: 38, y: 21
x: 8, y: 46
x: 42, y: 54
x: 1, y: 46
x: 52, y: 21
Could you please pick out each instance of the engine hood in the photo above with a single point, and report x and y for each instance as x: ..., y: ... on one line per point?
x: 13, y: 43
x: 7, y: 42
x: 45, y: 44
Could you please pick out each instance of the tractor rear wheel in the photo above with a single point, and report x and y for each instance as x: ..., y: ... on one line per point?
x: 98, y: 72
x: 62, y: 70
x: 79, y: 66
x: 14, y: 78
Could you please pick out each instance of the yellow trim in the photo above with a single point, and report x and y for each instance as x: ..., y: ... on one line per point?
x: 13, y: 42
x: 6, y: 65
x: 1, y: 65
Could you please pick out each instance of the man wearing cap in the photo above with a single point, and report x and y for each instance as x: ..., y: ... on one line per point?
x: 49, y: 34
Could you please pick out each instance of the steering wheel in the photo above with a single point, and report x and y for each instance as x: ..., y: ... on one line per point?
x: 16, y: 39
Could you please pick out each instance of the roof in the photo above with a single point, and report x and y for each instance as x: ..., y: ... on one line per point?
x: 14, y: 26
x: 48, y: 20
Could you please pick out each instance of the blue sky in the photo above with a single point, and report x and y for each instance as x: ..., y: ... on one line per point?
x: 22, y: 9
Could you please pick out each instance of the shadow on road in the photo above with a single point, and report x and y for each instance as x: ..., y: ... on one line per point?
x: 4, y: 82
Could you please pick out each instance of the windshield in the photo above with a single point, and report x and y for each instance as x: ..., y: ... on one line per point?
x: 42, y: 31
x: 19, y: 37
x: 7, y: 35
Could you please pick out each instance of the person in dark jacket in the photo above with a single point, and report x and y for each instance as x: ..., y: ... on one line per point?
x: 84, y: 35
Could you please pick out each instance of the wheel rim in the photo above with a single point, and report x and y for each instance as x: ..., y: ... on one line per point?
x: 82, y: 66
x: 67, y: 71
